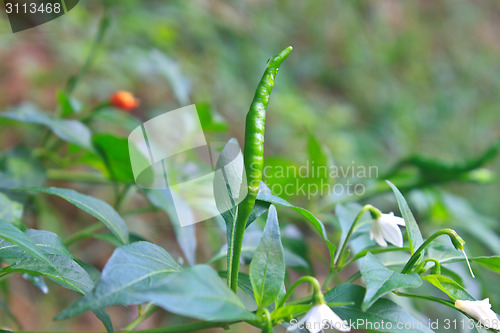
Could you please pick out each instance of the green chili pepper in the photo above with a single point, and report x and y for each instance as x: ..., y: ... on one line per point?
x: 254, y: 160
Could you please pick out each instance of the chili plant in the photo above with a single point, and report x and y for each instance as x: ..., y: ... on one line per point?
x: 372, y: 266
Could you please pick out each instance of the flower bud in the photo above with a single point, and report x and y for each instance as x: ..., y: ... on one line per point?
x: 479, y: 310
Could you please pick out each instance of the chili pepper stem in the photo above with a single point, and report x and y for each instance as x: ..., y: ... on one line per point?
x: 457, y: 241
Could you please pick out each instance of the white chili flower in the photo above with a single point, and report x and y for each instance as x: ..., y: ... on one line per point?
x: 386, y: 228
x: 321, y: 316
x: 480, y: 310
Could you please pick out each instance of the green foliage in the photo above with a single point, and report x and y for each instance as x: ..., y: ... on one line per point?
x: 143, y: 272
x: 11, y: 211
x: 72, y: 131
x: 95, y: 207
x: 380, y: 280
x: 414, y: 235
x: 267, y: 197
x: 334, y: 100
x: 382, y: 310
x: 267, y: 270
x: 449, y: 287
x: 114, y: 152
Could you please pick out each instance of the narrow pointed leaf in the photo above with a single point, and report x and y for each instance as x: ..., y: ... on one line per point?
x: 15, y: 236
x: 43, y: 253
x: 492, y: 263
x: 267, y: 269
x: 10, y: 211
x: 383, y: 313
x: 266, y: 196
x: 143, y: 272
x: 414, y: 234
x: 381, y: 280
x: 72, y: 131
x: 93, y: 206
x: 46, y: 241
x: 130, y: 271
x: 62, y: 270
x: 449, y: 287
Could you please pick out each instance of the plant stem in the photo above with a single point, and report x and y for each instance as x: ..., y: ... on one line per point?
x: 428, y: 298
x: 375, y: 214
x: 353, y: 278
x: 316, y: 297
x: 103, y: 27
x: 416, y: 256
x: 76, y: 176
x: 121, y: 196
x: 268, y: 325
x: 84, y: 233
x: 437, y: 265
x: 234, y: 251
x: 146, y: 313
x: 303, y: 300
x: 376, y: 250
x: 339, y: 255
x: 142, y: 210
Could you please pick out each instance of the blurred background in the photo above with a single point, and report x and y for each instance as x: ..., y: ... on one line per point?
x: 370, y: 82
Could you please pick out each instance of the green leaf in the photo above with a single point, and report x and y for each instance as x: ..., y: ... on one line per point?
x: 229, y: 183
x: 449, y: 287
x: 103, y: 316
x: 380, y: 280
x: 19, y: 168
x: 265, y: 195
x: 93, y: 206
x: 414, y: 234
x: 68, y: 105
x: 110, y: 117
x: 111, y: 239
x: 38, y: 281
x: 129, y: 271
x: 115, y: 153
x: 47, y: 242
x: 383, y: 312
x: 198, y: 292
x: 251, y: 241
x: 208, y: 123
x: 143, y: 272
x: 43, y: 253
x: 267, y: 269
x: 244, y: 283
x: 186, y: 236
x: 15, y: 236
x: 492, y: 263
x: 72, y: 131
x: 10, y: 211
x: 60, y: 269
